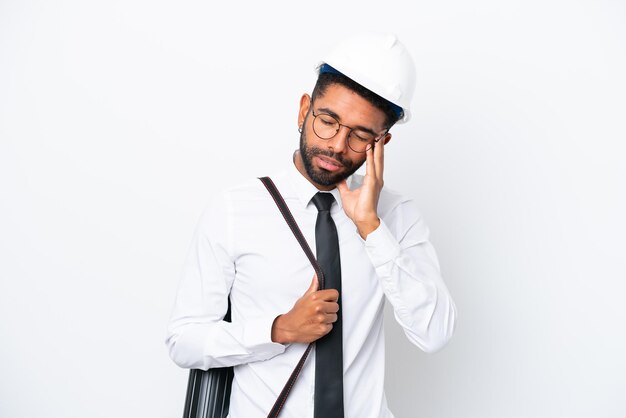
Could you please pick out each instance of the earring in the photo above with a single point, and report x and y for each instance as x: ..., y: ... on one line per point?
x: 300, y: 128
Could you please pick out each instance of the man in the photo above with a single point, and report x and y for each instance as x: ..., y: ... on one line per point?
x: 244, y: 250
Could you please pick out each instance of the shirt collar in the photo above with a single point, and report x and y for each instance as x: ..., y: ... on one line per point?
x: 305, y: 190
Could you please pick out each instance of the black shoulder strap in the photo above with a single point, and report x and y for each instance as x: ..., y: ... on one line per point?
x: 284, y: 210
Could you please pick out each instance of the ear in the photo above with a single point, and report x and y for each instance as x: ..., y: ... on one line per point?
x: 387, y: 138
x: 305, y: 103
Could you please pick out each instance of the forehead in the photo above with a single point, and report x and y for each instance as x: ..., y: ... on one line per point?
x: 351, y: 108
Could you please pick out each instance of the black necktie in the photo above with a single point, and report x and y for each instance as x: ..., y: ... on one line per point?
x: 328, y: 349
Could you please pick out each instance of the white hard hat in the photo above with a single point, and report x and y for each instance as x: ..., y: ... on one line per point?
x: 380, y: 63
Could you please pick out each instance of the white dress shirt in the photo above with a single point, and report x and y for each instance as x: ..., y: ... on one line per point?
x: 243, y: 247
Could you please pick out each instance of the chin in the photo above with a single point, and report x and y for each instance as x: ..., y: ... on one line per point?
x: 321, y: 176
x: 327, y: 178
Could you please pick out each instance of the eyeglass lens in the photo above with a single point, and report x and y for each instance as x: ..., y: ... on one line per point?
x: 326, y: 127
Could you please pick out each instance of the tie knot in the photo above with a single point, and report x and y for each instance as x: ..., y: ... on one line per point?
x: 323, y: 201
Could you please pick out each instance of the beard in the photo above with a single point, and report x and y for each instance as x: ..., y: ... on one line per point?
x: 321, y: 176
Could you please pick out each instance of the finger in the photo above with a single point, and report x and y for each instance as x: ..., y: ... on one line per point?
x: 313, y: 286
x: 379, y: 158
x: 330, y: 307
x: 327, y: 308
x: 330, y: 318
x: 328, y: 295
x: 370, y: 165
x: 325, y: 318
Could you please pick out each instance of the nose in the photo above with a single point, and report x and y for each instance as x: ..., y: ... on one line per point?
x: 339, y: 142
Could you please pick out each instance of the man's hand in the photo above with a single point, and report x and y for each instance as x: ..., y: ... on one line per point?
x: 361, y: 204
x: 311, y: 317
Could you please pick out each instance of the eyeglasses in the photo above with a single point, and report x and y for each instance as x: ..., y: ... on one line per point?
x: 326, y: 127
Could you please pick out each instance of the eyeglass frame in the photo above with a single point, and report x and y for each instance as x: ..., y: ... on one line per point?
x: 381, y: 136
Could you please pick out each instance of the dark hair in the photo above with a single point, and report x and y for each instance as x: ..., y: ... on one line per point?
x: 326, y: 79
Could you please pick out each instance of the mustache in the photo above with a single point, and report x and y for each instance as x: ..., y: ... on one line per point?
x: 327, y: 153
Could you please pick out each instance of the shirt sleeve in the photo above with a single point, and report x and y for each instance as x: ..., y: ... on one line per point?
x: 408, y: 270
x: 197, y: 337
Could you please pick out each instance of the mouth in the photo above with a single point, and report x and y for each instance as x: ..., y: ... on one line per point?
x: 328, y: 163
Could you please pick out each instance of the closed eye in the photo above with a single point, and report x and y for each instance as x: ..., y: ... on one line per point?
x: 362, y: 136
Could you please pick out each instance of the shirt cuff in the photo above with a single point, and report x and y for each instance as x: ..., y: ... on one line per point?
x: 381, y: 246
x: 258, y: 337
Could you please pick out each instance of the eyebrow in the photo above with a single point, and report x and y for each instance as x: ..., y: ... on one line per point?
x: 336, y: 116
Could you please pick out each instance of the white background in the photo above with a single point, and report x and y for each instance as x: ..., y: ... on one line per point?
x: 118, y: 119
